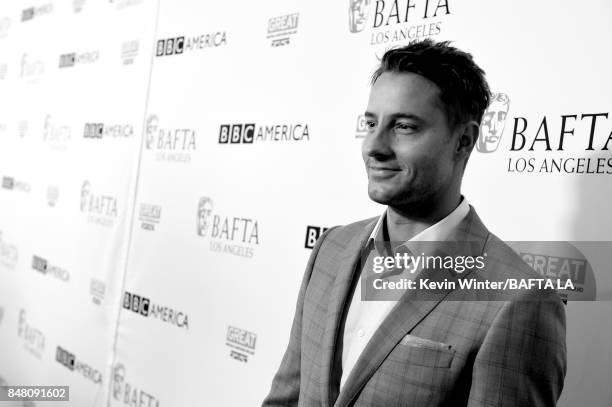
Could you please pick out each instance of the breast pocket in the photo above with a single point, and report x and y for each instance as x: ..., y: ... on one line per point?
x: 422, y: 352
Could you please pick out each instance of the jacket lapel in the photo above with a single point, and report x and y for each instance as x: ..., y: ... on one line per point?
x: 337, y: 303
x: 410, y: 310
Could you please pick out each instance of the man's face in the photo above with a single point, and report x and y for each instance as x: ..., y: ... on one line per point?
x: 493, y: 122
x: 409, y: 151
x: 358, y: 14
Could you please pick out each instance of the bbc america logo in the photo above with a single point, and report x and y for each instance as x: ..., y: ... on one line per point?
x: 170, y: 46
x: 72, y: 59
x: 15, y: 185
x: 70, y: 361
x: 31, y: 12
x: 41, y: 265
x: 144, y: 306
x: 237, y: 133
x: 100, y: 130
x: 177, y: 45
x: 250, y: 132
x: 312, y: 235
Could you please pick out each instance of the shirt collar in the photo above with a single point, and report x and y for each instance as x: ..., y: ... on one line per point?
x: 439, y: 231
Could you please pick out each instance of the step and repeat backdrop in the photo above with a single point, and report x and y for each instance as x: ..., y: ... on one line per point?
x: 168, y: 165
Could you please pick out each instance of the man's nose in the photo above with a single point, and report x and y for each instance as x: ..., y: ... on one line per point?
x: 378, y: 143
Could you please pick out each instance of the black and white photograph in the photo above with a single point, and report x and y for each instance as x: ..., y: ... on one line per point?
x: 347, y: 203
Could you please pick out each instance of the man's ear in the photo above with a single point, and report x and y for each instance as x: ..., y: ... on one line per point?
x: 468, y: 136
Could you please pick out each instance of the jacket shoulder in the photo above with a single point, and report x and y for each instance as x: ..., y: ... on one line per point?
x: 504, y: 262
x: 346, y: 232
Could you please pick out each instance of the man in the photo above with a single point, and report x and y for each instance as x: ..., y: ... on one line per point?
x: 444, y: 349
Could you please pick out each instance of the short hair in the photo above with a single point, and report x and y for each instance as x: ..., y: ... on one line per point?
x: 464, y: 91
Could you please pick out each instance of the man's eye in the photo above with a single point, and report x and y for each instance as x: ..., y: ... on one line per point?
x: 370, y: 124
x: 405, y: 127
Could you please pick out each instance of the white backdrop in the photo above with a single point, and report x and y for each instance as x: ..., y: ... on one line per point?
x: 167, y: 261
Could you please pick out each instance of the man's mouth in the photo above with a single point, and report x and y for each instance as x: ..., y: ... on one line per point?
x: 382, y: 171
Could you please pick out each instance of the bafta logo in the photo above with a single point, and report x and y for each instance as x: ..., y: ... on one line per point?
x: 205, y: 207
x: 52, y: 195
x: 118, y: 379
x: 85, y: 194
x: 493, y: 122
x: 358, y: 14
x: 151, y: 129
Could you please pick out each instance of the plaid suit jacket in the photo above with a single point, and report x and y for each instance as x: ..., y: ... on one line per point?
x: 445, y: 351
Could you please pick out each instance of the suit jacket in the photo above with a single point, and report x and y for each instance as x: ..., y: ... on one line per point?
x: 444, y: 351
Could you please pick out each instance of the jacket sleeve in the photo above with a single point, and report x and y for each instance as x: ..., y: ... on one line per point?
x: 285, y: 390
x: 522, y: 360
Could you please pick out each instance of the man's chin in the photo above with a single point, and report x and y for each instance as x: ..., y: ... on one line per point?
x: 382, y: 196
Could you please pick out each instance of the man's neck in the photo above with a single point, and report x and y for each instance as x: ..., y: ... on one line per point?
x: 403, y: 223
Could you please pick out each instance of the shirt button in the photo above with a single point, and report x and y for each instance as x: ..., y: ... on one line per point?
x: 360, y: 333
